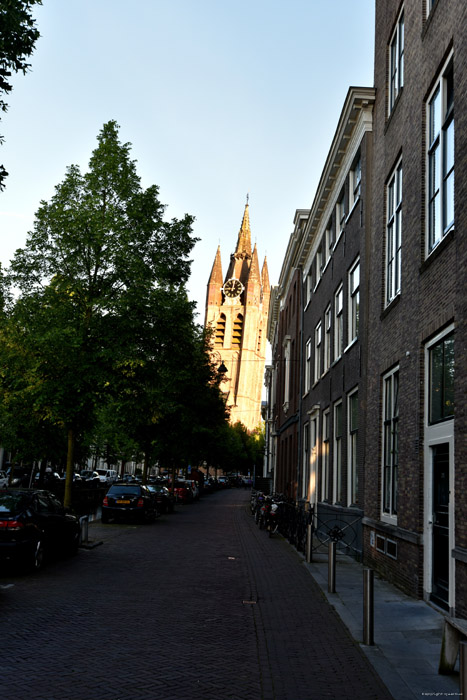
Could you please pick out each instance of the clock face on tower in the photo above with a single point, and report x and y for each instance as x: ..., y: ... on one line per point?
x: 233, y: 288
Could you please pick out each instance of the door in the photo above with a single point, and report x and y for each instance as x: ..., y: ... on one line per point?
x: 440, y: 549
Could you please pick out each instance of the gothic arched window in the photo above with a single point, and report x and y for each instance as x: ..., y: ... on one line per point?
x: 220, y: 331
x: 237, y: 331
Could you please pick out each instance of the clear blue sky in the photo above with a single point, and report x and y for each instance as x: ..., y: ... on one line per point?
x: 217, y: 97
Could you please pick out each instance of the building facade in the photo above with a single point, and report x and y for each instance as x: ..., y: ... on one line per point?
x: 415, y: 495
x: 379, y: 404
x: 237, y: 312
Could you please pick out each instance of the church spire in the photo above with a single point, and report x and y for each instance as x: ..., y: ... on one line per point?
x: 244, y: 236
x: 214, y: 293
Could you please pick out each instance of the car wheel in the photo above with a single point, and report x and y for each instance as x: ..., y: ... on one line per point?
x: 104, y: 518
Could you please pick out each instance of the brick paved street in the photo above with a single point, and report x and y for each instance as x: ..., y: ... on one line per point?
x: 200, y: 605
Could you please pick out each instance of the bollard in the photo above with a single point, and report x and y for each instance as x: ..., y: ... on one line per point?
x: 84, y: 522
x: 332, y: 567
x: 463, y: 669
x: 368, y: 607
x: 309, y: 542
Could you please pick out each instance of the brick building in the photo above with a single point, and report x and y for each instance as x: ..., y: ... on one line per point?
x: 415, y: 495
x: 377, y: 425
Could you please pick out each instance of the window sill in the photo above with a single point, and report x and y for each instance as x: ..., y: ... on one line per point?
x: 351, y: 344
x: 394, y: 302
x: 438, y: 249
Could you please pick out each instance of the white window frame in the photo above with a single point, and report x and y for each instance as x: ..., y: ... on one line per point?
x: 337, y: 452
x: 354, y: 301
x: 306, y: 459
x: 352, y: 450
x: 440, y: 158
x: 308, y: 366
x: 396, y: 62
x: 309, y: 286
x: 390, y: 445
x: 328, y: 243
x: 341, y: 214
x: 356, y: 181
x: 339, y: 322
x: 327, y: 338
x: 394, y: 233
x: 317, y: 363
x: 325, y: 457
x: 287, y: 350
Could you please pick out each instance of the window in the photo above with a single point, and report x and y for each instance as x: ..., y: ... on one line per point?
x: 319, y: 263
x: 317, y: 373
x: 328, y: 243
x: 338, y: 322
x: 396, y: 62
x: 441, y: 159
x: 220, y: 331
x: 356, y: 179
x: 237, y: 331
x: 287, y: 347
x: 338, y: 452
x: 308, y: 365
x: 306, y: 460
x: 340, y: 213
x: 390, y: 441
x: 354, y: 300
x: 394, y: 235
x: 309, y: 286
x: 441, y: 380
x: 352, y: 447
x: 327, y: 338
x: 325, y: 460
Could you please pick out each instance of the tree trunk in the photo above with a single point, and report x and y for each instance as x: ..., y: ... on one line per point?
x: 69, y: 468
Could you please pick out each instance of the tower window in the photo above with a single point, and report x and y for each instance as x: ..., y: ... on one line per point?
x: 220, y: 331
x: 237, y: 331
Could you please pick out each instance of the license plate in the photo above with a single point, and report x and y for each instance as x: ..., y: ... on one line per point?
x: 123, y: 502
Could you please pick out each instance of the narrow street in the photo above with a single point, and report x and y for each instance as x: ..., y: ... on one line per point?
x: 200, y: 605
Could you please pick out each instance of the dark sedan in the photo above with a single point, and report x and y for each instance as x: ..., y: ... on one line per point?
x: 33, y: 524
x: 129, y: 501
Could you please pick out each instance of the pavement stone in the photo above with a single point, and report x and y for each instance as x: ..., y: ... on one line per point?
x: 200, y: 605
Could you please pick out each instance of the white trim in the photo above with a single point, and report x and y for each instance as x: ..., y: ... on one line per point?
x: 437, y: 434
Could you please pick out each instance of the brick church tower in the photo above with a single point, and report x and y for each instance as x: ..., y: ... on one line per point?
x: 237, y: 310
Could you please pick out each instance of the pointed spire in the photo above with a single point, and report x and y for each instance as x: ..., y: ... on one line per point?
x: 265, y: 277
x: 216, y: 272
x: 254, y: 275
x: 244, y: 235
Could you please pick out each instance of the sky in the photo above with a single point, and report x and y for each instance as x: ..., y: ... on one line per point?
x: 219, y: 98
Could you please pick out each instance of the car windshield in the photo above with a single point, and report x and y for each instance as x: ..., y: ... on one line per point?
x: 102, y: 472
x: 125, y: 490
x: 12, y: 502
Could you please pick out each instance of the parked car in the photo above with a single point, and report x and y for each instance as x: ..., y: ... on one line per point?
x: 183, y: 492
x: 107, y: 476
x: 129, y: 500
x: 164, y: 499
x: 3, y: 479
x: 90, y: 477
x: 223, y: 482
x: 34, y: 524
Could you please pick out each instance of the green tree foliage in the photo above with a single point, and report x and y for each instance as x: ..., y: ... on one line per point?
x: 89, y: 278
x: 18, y: 35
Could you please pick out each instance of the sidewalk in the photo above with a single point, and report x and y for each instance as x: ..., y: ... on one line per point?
x: 407, y: 632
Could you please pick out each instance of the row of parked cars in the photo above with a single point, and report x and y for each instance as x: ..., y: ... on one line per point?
x: 34, y: 523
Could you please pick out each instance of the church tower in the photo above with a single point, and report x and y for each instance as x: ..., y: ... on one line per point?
x: 237, y: 311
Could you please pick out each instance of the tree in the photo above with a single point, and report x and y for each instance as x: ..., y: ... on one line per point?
x: 87, y: 277
x: 18, y: 35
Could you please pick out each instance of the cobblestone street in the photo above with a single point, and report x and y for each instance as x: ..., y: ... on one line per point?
x: 200, y: 605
